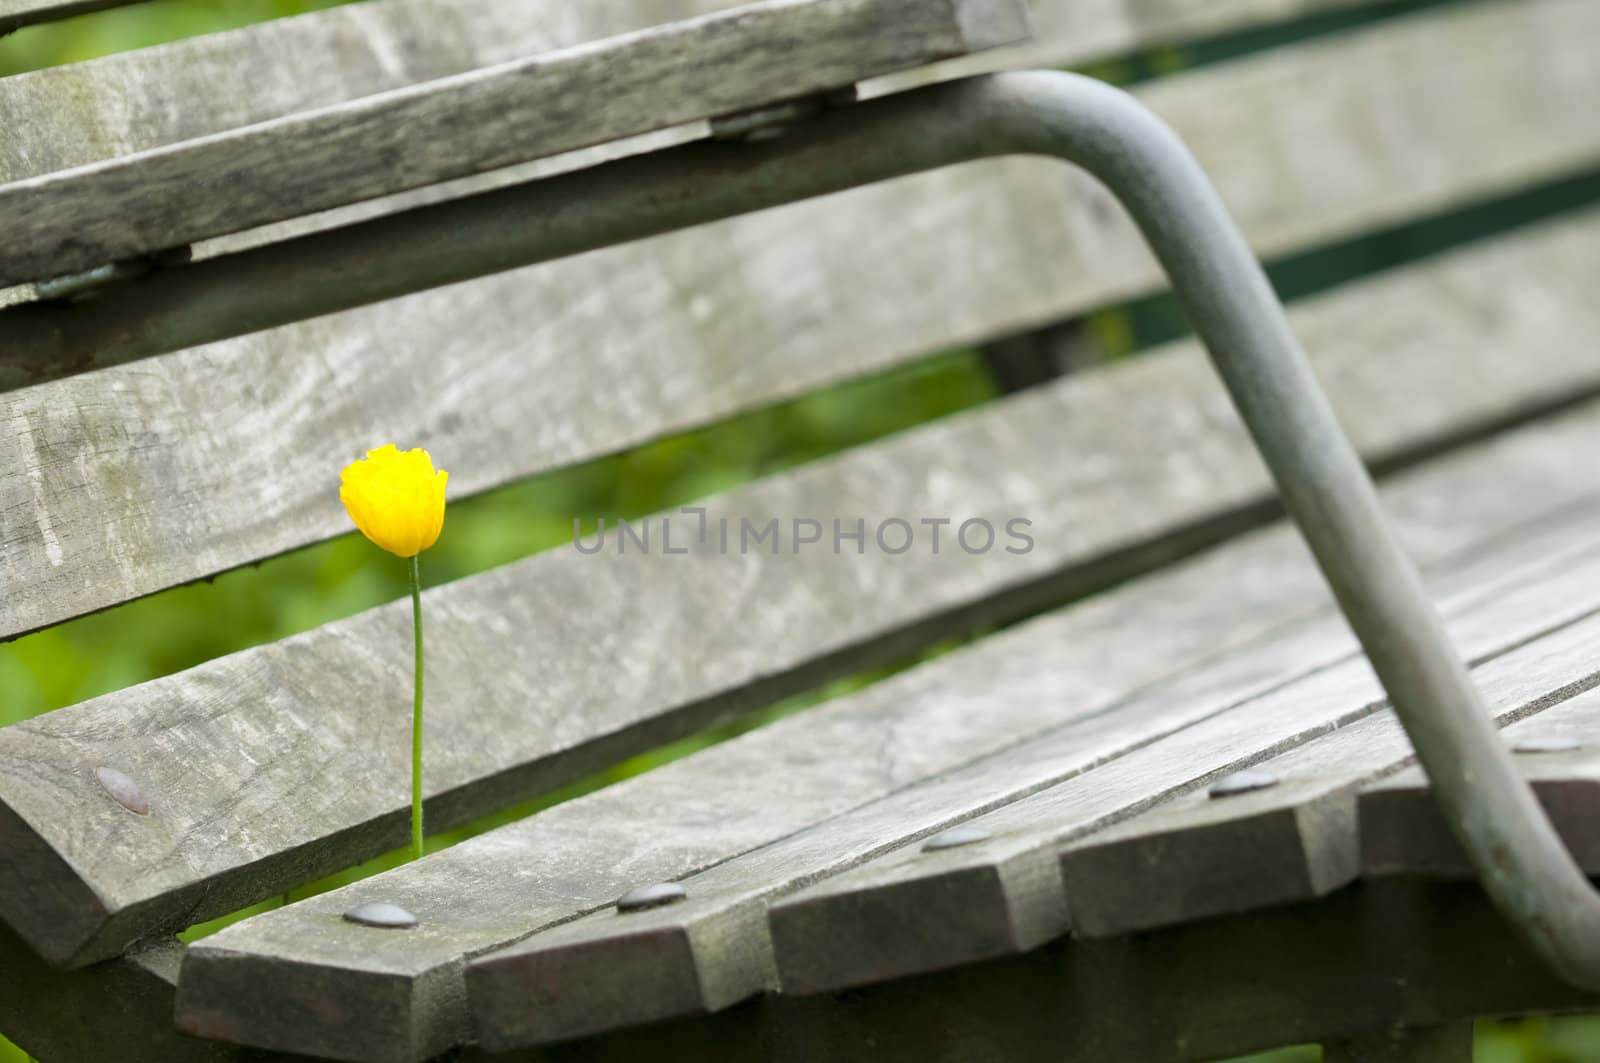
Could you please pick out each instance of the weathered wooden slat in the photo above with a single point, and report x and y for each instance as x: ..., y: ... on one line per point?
x: 247, y: 738
x: 713, y: 950
x: 1402, y: 832
x: 126, y: 1003
x: 134, y: 101
x: 77, y: 1015
x: 1407, y: 953
x: 577, y: 857
x: 723, y: 63
x: 1414, y: 953
x: 186, y: 306
x: 912, y: 911
x: 697, y: 326
x: 1198, y: 857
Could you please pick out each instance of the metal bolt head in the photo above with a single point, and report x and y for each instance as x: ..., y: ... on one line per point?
x: 381, y: 914
x: 954, y: 837
x: 646, y: 897
x: 1546, y: 744
x: 124, y: 789
x: 1242, y: 782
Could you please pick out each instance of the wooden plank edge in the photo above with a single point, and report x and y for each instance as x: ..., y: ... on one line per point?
x: 1404, y: 833
x: 712, y: 950
x: 1189, y: 994
x: 729, y: 62
x: 76, y: 1016
x: 823, y: 935
x: 1198, y: 859
x: 1067, y: 33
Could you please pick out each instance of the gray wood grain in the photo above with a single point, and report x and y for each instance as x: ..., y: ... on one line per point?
x: 1191, y: 994
x: 692, y: 328
x: 701, y: 325
x: 722, y: 63
x: 73, y: 1016
x: 1403, y: 833
x: 1006, y: 894
x: 247, y: 739
x: 83, y: 113
x: 831, y: 762
x: 1296, y: 840
x: 1409, y: 953
x: 86, y: 342
x: 911, y: 911
x: 125, y: 1003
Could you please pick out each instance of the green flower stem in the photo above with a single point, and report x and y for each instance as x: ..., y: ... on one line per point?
x: 416, y: 714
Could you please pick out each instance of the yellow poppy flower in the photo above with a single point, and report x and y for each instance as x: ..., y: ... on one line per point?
x: 395, y: 498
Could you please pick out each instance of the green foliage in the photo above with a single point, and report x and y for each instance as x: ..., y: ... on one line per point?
x: 140, y: 26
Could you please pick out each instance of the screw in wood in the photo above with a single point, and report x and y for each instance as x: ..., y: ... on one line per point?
x: 956, y: 836
x: 645, y: 897
x: 381, y: 914
x: 1242, y: 782
x: 124, y: 789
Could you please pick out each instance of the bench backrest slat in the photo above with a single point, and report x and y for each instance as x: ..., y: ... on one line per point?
x: 543, y: 105
x: 525, y: 697
x: 83, y: 113
x: 516, y: 374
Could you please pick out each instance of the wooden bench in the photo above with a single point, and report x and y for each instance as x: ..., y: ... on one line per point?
x: 200, y: 235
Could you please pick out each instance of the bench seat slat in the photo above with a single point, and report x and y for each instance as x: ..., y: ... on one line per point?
x: 830, y: 764
x: 1301, y: 835
x: 685, y: 71
x: 1007, y: 894
x: 713, y: 950
x: 247, y: 739
x: 1409, y: 954
x: 704, y: 324
x: 1402, y: 832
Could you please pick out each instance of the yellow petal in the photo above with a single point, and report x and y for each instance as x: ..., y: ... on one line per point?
x: 396, y: 498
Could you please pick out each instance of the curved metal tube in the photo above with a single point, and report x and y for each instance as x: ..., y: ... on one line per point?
x: 1523, y: 864
x: 1521, y: 861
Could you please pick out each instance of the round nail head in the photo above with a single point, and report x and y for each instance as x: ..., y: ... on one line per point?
x: 381, y: 914
x: 1242, y: 782
x: 646, y: 897
x: 124, y: 789
x: 1547, y: 744
x: 956, y: 837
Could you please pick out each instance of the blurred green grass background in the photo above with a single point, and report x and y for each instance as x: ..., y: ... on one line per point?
x: 180, y: 628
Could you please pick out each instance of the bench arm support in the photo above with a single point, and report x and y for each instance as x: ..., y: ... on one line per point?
x: 1522, y: 862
